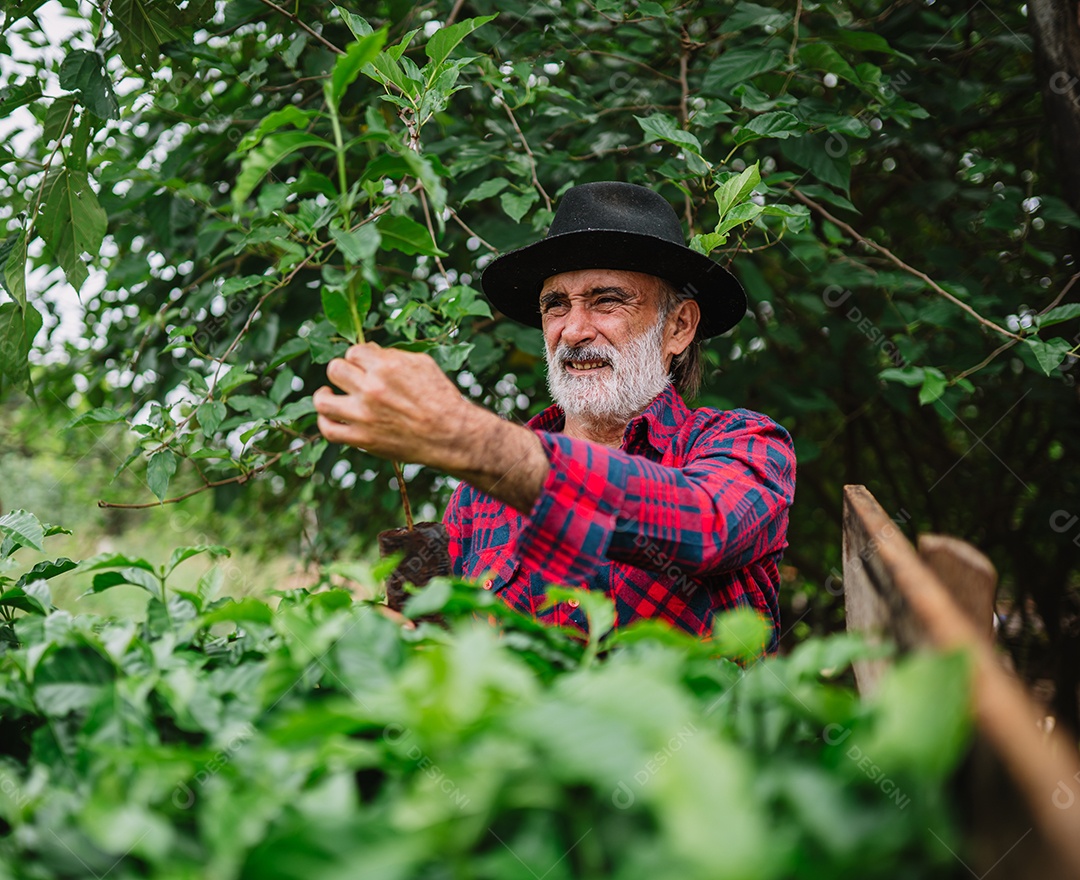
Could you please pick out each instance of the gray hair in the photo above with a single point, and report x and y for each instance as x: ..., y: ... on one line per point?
x: 686, y: 367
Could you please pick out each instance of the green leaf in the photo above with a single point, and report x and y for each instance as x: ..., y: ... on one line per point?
x: 144, y: 26
x: 911, y: 733
x: 598, y: 607
x: 736, y: 188
x: 822, y: 56
x: 662, y: 127
x: 34, y: 599
x: 737, y: 216
x: 17, y: 332
x: 83, y: 71
x: 747, y: 15
x: 823, y: 155
x: 357, y: 24
x: 1059, y: 314
x: 430, y: 599
x: 866, y: 41
x: 399, y: 233
x: 269, y: 153
x: 910, y: 376
x: 241, y: 283
x: 444, y: 40
x: 12, y: 97
x: 46, y: 570
x: 102, y: 415
x: 115, y: 560
x: 739, y: 65
x: 211, y: 413
x: 287, y: 115
x: 159, y: 470
x: 490, y: 187
x: 707, y: 242
x: 933, y: 385
x: 23, y: 529
x: 742, y: 634
x: 182, y: 553
x: 348, y: 66
x: 72, y: 222
x: 1049, y: 354
x: 138, y: 577
x: 516, y: 205
x: 386, y: 70
x: 247, y: 610
x: 256, y: 405
x: 293, y: 411
x: 778, y: 124
x: 358, y: 245
x: 234, y: 379
x: 13, y: 267
x: 347, y: 309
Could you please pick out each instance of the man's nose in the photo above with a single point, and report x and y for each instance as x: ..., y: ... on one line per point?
x: 578, y: 328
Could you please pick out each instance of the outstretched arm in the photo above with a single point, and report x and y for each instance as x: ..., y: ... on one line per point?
x: 399, y: 405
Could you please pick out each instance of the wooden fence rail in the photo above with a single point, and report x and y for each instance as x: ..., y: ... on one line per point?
x: 1020, y: 789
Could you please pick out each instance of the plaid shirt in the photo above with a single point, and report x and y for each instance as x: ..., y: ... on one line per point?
x: 689, y: 517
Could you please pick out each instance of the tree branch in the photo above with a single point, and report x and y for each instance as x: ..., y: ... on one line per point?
x: 303, y: 26
x: 911, y: 270
x: 528, y: 151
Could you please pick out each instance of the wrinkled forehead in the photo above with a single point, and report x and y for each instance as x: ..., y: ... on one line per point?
x: 583, y: 281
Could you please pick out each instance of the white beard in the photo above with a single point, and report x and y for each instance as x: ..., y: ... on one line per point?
x: 610, y: 395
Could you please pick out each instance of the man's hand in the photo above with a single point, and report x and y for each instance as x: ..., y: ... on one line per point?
x: 400, y: 405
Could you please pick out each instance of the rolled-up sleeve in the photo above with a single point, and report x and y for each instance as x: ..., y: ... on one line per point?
x: 723, y: 508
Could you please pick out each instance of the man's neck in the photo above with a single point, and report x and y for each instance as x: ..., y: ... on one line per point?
x: 606, y: 433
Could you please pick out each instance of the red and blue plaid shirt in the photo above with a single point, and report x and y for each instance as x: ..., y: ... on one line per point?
x: 689, y: 517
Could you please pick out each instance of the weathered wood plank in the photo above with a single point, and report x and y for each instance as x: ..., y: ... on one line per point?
x: 968, y: 575
x: 1044, y: 768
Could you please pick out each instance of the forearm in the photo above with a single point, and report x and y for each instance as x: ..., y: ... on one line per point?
x: 501, y: 459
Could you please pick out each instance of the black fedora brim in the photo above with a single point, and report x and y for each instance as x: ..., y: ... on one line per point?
x: 512, y: 283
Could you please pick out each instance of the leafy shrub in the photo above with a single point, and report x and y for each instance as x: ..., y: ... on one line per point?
x: 223, y: 738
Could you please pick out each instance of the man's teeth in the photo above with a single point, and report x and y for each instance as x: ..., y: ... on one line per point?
x: 586, y: 365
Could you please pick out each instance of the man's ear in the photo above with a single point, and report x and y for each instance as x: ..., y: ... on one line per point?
x: 684, y: 321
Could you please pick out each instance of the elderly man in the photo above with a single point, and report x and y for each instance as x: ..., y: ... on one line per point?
x: 674, y: 513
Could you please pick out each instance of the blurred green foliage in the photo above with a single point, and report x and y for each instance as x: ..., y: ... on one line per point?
x: 236, y: 194
x: 223, y: 738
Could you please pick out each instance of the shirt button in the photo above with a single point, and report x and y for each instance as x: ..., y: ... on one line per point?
x: 573, y: 603
x: 488, y: 584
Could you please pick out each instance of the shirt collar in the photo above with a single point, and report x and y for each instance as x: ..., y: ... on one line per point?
x: 661, y: 420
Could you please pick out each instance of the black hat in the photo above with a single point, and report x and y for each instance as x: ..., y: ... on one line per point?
x: 614, y: 226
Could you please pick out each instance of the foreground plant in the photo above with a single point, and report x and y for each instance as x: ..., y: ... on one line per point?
x: 227, y: 739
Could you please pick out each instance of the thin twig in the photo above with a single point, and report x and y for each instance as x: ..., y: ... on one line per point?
x: 1064, y: 292
x: 431, y: 231
x: 454, y: 12
x: 1003, y: 348
x: 911, y: 270
x: 303, y: 26
x: 465, y: 226
x: 528, y: 151
x: 406, y: 506
x: 795, y: 33
x: 239, y: 478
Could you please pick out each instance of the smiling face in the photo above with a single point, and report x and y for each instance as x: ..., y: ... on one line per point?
x: 608, y: 343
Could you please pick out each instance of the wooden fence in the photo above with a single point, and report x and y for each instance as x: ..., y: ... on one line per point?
x: 1019, y: 788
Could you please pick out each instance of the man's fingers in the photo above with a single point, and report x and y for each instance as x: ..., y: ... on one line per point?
x: 358, y: 354
x: 333, y: 406
x: 344, y: 374
x: 336, y: 432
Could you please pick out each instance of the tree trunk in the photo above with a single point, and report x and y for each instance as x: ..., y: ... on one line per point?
x: 1055, y: 30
